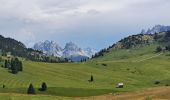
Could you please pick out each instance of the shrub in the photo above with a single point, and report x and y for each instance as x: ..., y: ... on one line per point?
x: 91, y: 79
x: 158, y: 49
x: 166, y: 84
x: 43, y: 87
x: 157, y: 82
x: 31, y: 89
x: 104, y: 64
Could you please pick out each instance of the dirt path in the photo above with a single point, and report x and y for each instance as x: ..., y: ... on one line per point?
x: 159, y: 93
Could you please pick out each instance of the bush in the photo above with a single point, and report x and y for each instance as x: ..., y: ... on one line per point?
x: 31, y: 89
x: 43, y: 87
x: 157, y: 82
x: 158, y: 49
x: 166, y: 84
x: 104, y: 64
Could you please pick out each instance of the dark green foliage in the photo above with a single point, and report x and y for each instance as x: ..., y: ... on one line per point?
x: 17, y: 48
x: 166, y: 84
x: 157, y: 82
x: 3, y: 86
x: 100, y: 53
x: 167, y: 48
x: 84, y: 60
x: 91, y: 78
x: 6, y: 63
x: 43, y: 87
x: 31, y: 89
x: 20, y: 67
x: 167, y: 37
x: 14, y: 65
x: 158, y: 49
x: 104, y: 64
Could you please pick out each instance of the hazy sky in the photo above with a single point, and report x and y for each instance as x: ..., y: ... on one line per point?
x: 88, y: 23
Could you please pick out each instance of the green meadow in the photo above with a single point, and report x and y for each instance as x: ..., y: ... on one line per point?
x: 137, y: 68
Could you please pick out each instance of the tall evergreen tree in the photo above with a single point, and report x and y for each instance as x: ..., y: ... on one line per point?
x: 20, y: 68
x: 91, y: 79
x: 43, y: 86
x: 14, y: 65
x: 6, y: 63
x: 31, y: 89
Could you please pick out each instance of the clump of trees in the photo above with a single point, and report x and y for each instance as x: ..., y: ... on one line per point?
x: 14, y: 65
x: 31, y: 89
x: 101, y: 53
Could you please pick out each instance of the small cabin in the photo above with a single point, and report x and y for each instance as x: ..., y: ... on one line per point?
x: 120, y: 85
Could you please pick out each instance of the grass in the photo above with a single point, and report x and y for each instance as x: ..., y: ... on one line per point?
x: 71, y: 79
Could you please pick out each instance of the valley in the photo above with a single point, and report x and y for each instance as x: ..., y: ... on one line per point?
x: 137, y: 68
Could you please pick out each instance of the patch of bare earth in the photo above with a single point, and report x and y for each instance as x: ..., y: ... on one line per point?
x: 158, y: 93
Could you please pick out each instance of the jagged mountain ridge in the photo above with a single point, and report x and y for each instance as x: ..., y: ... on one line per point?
x: 70, y: 51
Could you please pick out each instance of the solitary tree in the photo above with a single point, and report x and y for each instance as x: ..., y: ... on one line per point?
x: 31, y: 89
x: 91, y: 79
x: 43, y: 86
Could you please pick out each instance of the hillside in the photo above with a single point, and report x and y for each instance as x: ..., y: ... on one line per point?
x: 71, y: 79
x: 135, y: 45
x: 138, y: 66
x: 16, y: 48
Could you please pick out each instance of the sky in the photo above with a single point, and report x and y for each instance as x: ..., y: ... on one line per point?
x: 88, y: 23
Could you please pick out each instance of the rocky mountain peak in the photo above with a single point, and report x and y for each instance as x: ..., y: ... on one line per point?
x: 70, y: 51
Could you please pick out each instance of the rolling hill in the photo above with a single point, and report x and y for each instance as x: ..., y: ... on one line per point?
x: 139, y: 67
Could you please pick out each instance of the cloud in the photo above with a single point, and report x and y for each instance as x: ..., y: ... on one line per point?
x: 78, y: 20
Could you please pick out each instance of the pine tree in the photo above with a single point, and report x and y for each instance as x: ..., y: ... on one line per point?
x: 6, y: 63
x: 20, y: 66
x: 31, y: 89
x: 91, y: 79
x: 43, y: 86
x: 14, y: 66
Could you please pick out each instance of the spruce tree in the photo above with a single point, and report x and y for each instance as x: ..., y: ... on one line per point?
x: 6, y: 63
x: 14, y: 67
x: 91, y: 79
x: 20, y: 66
x: 43, y: 86
x: 31, y: 89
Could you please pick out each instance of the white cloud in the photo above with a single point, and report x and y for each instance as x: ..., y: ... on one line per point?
x: 65, y: 18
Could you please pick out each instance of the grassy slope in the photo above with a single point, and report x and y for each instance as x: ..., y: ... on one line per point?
x: 127, y: 66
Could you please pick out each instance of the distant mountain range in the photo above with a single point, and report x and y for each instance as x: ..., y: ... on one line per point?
x: 70, y: 51
x: 156, y: 29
